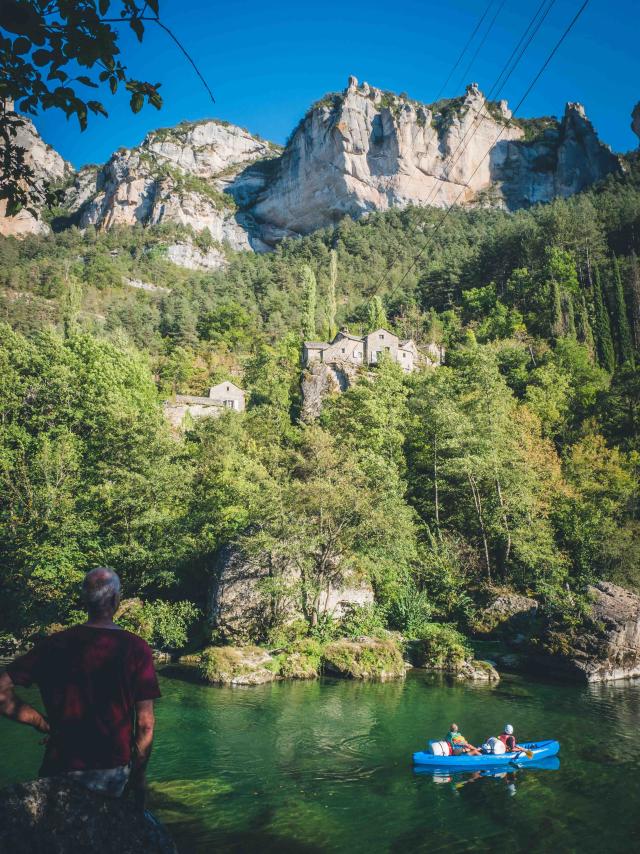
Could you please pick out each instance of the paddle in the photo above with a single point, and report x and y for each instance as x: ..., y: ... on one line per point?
x: 527, y: 753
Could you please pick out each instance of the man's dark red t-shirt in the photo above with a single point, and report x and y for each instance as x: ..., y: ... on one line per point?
x: 90, y: 680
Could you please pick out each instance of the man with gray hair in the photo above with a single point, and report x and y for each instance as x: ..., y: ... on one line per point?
x: 98, y: 683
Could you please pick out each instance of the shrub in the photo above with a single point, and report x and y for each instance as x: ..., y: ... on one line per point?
x: 162, y: 624
x: 409, y: 611
x: 370, y: 659
x: 367, y: 620
x: 441, y: 647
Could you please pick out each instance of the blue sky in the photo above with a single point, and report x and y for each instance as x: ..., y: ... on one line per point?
x: 267, y: 62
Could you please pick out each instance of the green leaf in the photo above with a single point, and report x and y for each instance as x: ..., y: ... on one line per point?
x: 87, y: 81
x: 103, y: 6
x: 113, y: 84
x: 138, y: 27
x: 21, y: 45
x: 96, y: 107
x: 154, y: 6
x: 137, y: 101
x: 41, y: 57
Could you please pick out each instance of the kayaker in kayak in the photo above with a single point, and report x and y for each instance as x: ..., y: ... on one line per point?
x: 509, y: 740
x: 459, y: 743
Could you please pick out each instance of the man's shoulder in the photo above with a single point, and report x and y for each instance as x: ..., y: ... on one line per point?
x: 136, y: 642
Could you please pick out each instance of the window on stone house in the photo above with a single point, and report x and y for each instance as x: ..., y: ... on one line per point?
x: 381, y: 337
x: 404, y: 355
x: 230, y: 404
x: 343, y: 350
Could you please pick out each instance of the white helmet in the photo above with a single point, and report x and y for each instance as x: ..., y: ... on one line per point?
x: 508, y: 729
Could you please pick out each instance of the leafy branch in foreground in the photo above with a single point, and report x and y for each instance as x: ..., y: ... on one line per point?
x: 44, y: 49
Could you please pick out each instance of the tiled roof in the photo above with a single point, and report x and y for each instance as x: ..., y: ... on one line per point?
x: 192, y: 398
x: 315, y: 345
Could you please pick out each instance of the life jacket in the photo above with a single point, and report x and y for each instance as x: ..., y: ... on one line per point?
x: 509, y: 741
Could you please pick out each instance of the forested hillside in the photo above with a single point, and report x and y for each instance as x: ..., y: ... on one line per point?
x: 515, y: 464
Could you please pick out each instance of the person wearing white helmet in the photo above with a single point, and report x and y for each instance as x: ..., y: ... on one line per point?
x: 509, y: 740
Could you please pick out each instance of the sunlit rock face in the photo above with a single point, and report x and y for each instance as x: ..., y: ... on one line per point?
x: 356, y: 151
x: 47, y: 166
x: 366, y: 150
x: 180, y: 176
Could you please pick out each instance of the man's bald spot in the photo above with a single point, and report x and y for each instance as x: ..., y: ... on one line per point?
x: 101, y: 590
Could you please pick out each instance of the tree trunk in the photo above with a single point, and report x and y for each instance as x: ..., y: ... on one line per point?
x: 478, y: 504
x: 435, y: 482
x: 505, y: 520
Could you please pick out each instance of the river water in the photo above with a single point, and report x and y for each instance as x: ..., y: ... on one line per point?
x: 325, y: 766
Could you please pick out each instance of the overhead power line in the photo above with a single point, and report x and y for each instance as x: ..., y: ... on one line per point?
x: 533, y: 82
x: 465, y: 73
x: 498, y: 85
x: 464, y: 49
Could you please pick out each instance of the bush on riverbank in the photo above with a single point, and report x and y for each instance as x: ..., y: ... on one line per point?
x: 439, y: 646
x: 368, y: 658
x: 229, y: 665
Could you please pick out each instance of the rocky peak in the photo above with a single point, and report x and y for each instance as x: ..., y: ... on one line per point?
x: 47, y: 165
x: 181, y: 175
x: 365, y: 149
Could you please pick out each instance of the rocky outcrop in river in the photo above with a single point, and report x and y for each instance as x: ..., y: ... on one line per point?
x: 52, y: 816
x: 609, y: 648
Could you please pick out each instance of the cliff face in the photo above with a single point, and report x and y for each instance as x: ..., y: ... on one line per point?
x: 357, y: 151
x: 47, y: 165
x: 179, y: 175
x: 366, y: 150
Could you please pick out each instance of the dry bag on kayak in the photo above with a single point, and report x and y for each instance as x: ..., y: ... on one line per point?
x: 439, y: 748
x: 495, y: 746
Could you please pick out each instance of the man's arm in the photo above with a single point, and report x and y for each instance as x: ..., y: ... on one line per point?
x: 145, y: 722
x: 12, y: 707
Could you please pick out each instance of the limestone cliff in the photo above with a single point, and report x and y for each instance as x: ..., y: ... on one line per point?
x: 179, y: 175
x: 47, y: 166
x: 356, y: 151
x: 366, y: 149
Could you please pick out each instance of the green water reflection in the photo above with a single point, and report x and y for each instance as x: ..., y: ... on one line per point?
x: 325, y: 766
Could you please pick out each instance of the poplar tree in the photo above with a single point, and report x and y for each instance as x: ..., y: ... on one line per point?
x: 331, y: 296
x: 309, y: 304
x: 634, y: 293
x: 602, y: 329
x: 377, y: 314
x: 624, y: 345
x: 583, y: 327
x: 557, y: 324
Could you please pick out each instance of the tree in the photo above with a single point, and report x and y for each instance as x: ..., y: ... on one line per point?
x: 602, y: 327
x: 331, y: 296
x: 43, y: 45
x: 377, y: 316
x: 624, y: 345
x: 309, y: 293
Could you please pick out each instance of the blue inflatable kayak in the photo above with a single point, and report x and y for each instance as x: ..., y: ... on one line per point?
x: 539, y: 749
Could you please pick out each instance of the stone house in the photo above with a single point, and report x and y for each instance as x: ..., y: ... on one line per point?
x: 367, y: 349
x: 225, y: 395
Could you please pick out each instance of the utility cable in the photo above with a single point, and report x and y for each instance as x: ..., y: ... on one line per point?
x: 518, y: 106
x: 464, y: 49
x: 518, y: 52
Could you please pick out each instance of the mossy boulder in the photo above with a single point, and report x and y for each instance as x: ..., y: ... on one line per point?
x: 365, y: 658
x: 238, y: 665
x: 302, y: 660
x: 477, y: 671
